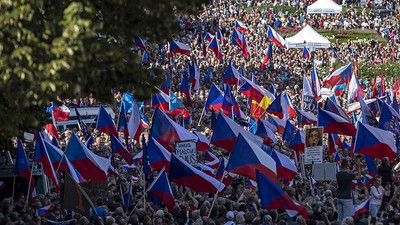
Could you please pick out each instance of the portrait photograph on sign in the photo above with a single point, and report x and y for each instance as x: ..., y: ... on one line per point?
x: 314, y: 147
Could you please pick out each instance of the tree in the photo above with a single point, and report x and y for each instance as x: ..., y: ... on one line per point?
x: 73, y: 48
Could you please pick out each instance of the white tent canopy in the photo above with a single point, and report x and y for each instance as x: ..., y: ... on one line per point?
x: 324, y: 6
x: 308, y: 37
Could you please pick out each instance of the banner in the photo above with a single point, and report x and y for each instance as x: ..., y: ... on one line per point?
x: 314, y: 148
x: 187, y: 151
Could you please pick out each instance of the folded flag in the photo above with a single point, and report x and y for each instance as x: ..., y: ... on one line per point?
x: 275, y: 37
x: 167, y: 132
x: 159, y: 157
x: 355, y: 89
x: 178, y: 47
x: 44, y: 210
x: 22, y: 168
x: 184, y: 174
x: 247, y: 157
x: 161, y: 189
x: 380, y: 143
x: 363, y: 207
x: 273, y: 197
x: 335, y: 124
x: 226, y: 132
x: 90, y: 166
x: 105, y: 123
x: 339, y: 76
x: 213, y: 160
x: 285, y: 167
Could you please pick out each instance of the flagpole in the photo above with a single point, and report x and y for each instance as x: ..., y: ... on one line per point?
x: 216, y: 193
x: 13, y: 190
x: 29, y: 188
x: 201, y: 116
x: 59, y: 165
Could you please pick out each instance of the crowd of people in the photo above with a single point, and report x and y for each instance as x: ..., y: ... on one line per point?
x: 327, y: 202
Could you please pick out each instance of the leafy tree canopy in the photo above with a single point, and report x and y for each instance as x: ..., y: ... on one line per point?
x: 51, y: 48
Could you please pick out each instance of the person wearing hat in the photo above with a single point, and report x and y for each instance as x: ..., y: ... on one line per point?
x: 230, y: 218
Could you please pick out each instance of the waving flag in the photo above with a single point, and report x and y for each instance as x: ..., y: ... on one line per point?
x: 118, y: 147
x: 214, y: 98
x: 184, y: 174
x: 363, y: 207
x: 334, y: 123
x: 245, y: 47
x: 216, y: 48
x: 82, y: 125
x: 278, y: 123
x: 220, y: 37
x: 306, y: 53
x: 285, y: 167
x: 247, y: 157
x: 305, y: 118
x: 380, y: 143
x: 160, y: 100
x: 178, y: 47
x: 268, y: 124
x: 22, y: 168
x: 236, y: 38
x: 185, y: 89
x: 134, y: 124
x: 161, y: 189
x: 229, y: 103
x: 204, y: 46
x: 265, y: 132
x: 44, y: 210
x: 194, y: 75
x: 203, y: 144
x: 212, y: 160
x: 42, y: 156
x: 105, y: 123
x: 355, y: 89
x: 339, y: 76
x: 159, y: 157
x: 273, y: 197
x: 370, y: 165
x: 139, y: 43
x: 167, y: 132
x: 388, y: 118
x: 123, y: 126
x: 339, y: 89
x: 208, y: 78
x: 51, y: 131
x: 61, y: 162
x: 267, y: 57
x: 176, y: 107
x: 241, y: 27
x: 232, y: 75
x: 90, y: 166
x: 336, y: 109
x: 282, y: 107
x: 315, y: 85
x: 275, y: 37
x: 145, y: 58
x: 369, y: 118
x: 334, y: 143
x: 226, y: 133
x: 208, y: 37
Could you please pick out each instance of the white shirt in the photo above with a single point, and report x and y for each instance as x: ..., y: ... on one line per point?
x: 376, y: 195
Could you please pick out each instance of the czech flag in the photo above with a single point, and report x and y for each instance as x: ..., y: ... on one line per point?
x: 285, y: 167
x: 123, y: 126
x: 203, y: 144
x: 241, y: 27
x: 214, y: 98
x: 118, y: 147
x: 229, y: 103
x: 178, y: 47
x: 184, y: 174
x: 267, y: 57
x: 334, y: 123
x: 315, y: 84
x: 135, y: 127
x: 64, y: 165
x: 268, y: 124
x: 44, y: 210
x: 161, y: 189
x: 245, y: 47
x: 208, y: 37
x: 278, y: 123
x: 176, y: 107
x: 298, y: 142
x: 139, y: 43
x: 22, y: 168
x: 282, y: 107
x: 339, y: 76
x: 165, y: 86
x: 370, y: 165
x: 213, y: 160
x: 355, y: 89
x: 90, y: 166
x: 252, y: 90
x: 236, y: 38
x: 51, y: 131
x: 305, y: 118
x: 378, y: 144
x: 226, y: 133
x: 273, y: 197
x: 220, y: 37
x: 275, y: 37
x: 363, y: 207
x: 61, y: 113
x: 159, y: 157
x: 160, y: 100
x: 232, y: 75
x: 247, y: 157
x: 306, y: 53
x: 216, y: 48
x: 265, y: 132
x: 185, y: 89
x: 336, y: 109
x: 105, y: 123
x: 167, y: 132
x: 41, y: 156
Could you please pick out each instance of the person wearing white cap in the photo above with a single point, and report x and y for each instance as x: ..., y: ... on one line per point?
x: 230, y: 216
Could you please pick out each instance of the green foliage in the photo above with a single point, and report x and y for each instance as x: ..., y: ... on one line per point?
x: 50, y: 49
x: 391, y: 69
x: 357, y: 35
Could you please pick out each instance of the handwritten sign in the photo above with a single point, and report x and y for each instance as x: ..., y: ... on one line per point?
x: 187, y: 151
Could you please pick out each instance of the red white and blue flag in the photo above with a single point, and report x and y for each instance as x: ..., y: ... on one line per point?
x: 335, y: 124
x: 339, y: 76
x: 241, y: 27
x: 216, y: 48
x: 306, y: 53
x: 363, y: 207
x: 275, y: 37
x: 178, y: 47
x: 285, y: 167
x: 267, y: 57
x: 161, y: 189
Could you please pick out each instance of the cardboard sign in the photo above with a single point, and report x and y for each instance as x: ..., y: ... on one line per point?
x: 309, y: 103
x: 314, y: 148
x: 187, y: 150
x: 324, y: 171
